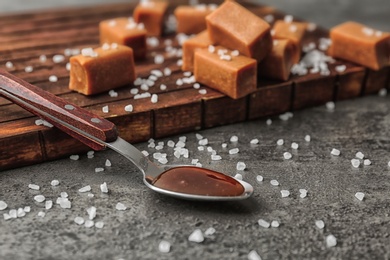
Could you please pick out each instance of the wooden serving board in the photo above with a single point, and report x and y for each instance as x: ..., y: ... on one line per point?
x: 24, y: 37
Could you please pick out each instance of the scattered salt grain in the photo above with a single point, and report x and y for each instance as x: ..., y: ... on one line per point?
x: 234, y: 139
x: 9, y: 65
x: 216, y: 157
x: 303, y: 193
x: 120, y: 206
x: 359, y: 195
x: 367, y: 162
x: 99, y: 169
x: 268, y: 122
x: 340, y: 68
x: 74, y: 157
x: 65, y: 203
x: 359, y: 155
x: 269, y: 18
x: 167, y: 71
x: 196, y: 236
x: 108, y: 163
x: 163, y: 87
x: 253, y: 255
x: 235, y: 53
x: 85, y: 189
x: 3, y: 205
x: 90, y: 154
x: 67, y: 66
x: 274, y: 183
x: 20, y: 213
x: 234, y: 151
x: 319, y: 224
x: 382, y: 92
x: 331, y: 241
x: 28, y: 69
x: 259, y: 178
x: 238, y: 176
x: 53, y: 78
x: 48, y: 204
x: 41, y: 214
x: 294, y: 146
x: 27, y: 209
x: 90, y: 195
x: 204, y: 141
x: 330, y: 106
x: 275, y: 223
x: 263, y: 223
x: 79, y: 220
x: 159, y: 59
x: 33, y: 186
x: 355, y: 163
x: 13, y: 213
x: 210, y: 231
x: 254, y: 141
x: 89, y: 223
x: 39, y: 198
x: 335, y: 152
x: 113, y: 93
x: 307, y: 138
x: 104, y: 188
x: 55, y: 183
x: 202, y: 91
x: 280, y: 142
x: 58, y: 58
x: 64, y: 194
x: 288, y: 18
x: 285, y: 193
x: 91, y: 212
x: 99, y: 224
x: 241, y: 166
x: 6, y: 216
x: 105, y: 109
x: 129, y: 108
x: 287, y: 155
x: 224, y: 145
x: 154, y: 98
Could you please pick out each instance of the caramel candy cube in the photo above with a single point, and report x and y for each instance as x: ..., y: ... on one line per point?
x: 101, y: 69
x: 294, y: 31
x: 192, y: 19
x: 151, y: 13
x: 233, y: 26
x: 200, y: 41
x: 226, y: 71
x: 124, y: 31
x: 277, y: 65
x: 357, y: 43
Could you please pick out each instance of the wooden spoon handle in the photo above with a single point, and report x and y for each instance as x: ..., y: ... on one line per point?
x: 67, y: 113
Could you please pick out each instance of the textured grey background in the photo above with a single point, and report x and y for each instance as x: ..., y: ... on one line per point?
x: 362, y: 228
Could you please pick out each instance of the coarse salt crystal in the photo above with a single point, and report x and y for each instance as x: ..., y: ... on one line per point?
x: 238, y: 176
x: 104, y: 188
x: 99, y: 169
x: 167, y: 71
x: 120, y: 206
x: 259, y: 178
x: 41, y: 214
x: 268, y: 122
x: 108, y: 163
x: 85, y: 189
x: 285, y: 193
x: 129, y: 108
x: 74, y: 157
x: 280, y: 142
x: 263, y: 223
x: 39, y: 198
x: 340, y: 68
x: 79, y: 220
x: 9, y: 65
x: 274, y: 183
x: 234, y: 151
x: 288, y: 18
x: 202, y: 91
x: 64, y: 194
x: 68, y: 66
x: 196, y: 236
x: 53, y: 78
x: 330, y: 105
x: 105, y: 109
x: 13, y: 213
x: 99, y: 224
x: 216, y: 157
x: 355, y: 163
x: 224, y: 145
x: 65, y: 203
x: 241, y: 166
x: 154, y: 98
x: 55, y: 183
x: 335, y: 152
x: 158, y: 59
x: 3, y: 205
x: 28, y: 69
x: 294, y: 146
x: 163, y: 87
x: 91, y: 212
x: 33, y: 186
x: 382, y: 92
x: 204, y: 141
x: 89, y: 223
x: 359, y: 195
x: 287, y: 155
x: 307, y: 138
x: 21, y: 213
x: 331, y: 241
x: 359, y: 155
x: 234, y: 139
x: 210, y: 231
x: 269, y: 18
x: 367, y: 162
x: 254, y: 141
x: 112, y: 93
x: 48, y: 204
x: 27, y: 209
x: 275, y: 223
x: 58, y: 58
x: 319, y: 224
x: 253, y: 255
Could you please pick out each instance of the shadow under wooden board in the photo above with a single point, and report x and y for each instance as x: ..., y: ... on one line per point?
x: 180, y: 108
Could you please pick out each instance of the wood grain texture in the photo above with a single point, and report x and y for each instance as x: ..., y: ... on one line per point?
x: 181, y: 108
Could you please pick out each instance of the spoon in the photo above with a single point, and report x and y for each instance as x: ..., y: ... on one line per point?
x: 184, y: 182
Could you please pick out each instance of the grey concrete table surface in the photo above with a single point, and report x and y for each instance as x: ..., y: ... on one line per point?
x: 362, y: 228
